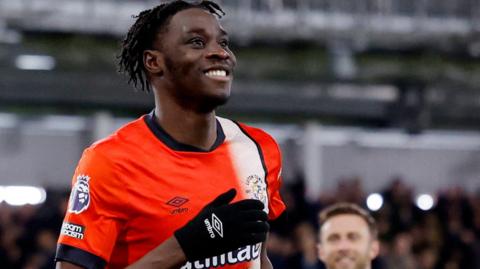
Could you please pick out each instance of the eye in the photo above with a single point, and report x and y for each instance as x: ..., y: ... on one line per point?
x: 197, y: 42
x: 224, y: 43
x: 354, y: 237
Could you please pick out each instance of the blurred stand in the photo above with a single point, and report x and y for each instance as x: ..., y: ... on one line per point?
x: 28, y: 234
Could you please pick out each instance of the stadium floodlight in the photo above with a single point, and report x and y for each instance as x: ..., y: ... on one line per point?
x: 35, y: 62
x: 374, y: 201
x: 22, y: 195
x: 8, y: 120
x: 425, y: 202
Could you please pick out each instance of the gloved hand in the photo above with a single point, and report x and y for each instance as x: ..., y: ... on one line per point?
x: 221, y: 227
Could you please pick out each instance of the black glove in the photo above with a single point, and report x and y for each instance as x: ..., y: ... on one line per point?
x: 221, y: 227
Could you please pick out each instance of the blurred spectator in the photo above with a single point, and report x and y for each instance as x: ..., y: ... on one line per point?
x: 427, y: 257
x: 400, y: 256
x: 29, y: 233
x: 280, y: 249
x: 305, y: 239
x: 398, y: 199
x: 347, y: 237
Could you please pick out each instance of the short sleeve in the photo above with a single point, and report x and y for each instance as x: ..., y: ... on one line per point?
x: 272, y: 159
x: 276, y: 204
x: 95, y: 215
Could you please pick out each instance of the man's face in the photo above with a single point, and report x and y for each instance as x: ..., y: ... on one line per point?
x: 346, y: 243
x: 198, y: 62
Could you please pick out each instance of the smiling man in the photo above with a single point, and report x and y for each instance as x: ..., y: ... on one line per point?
x: 347, y: 237
x: 179, y: 187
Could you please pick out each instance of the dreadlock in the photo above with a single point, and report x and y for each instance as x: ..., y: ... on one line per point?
x: 142, y: 34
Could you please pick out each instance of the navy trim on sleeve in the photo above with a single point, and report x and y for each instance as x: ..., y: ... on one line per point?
x: 79, y: 257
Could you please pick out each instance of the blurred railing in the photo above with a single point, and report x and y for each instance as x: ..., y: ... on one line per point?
x: 264, y: 19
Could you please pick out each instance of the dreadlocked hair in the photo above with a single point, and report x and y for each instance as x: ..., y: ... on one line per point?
x: 142, y: 34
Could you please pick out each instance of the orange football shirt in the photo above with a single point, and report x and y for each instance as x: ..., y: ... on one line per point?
x: 132, y: 190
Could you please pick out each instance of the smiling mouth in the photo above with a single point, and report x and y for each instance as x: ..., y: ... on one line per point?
x: 344, y: 259
x: 218, y: 73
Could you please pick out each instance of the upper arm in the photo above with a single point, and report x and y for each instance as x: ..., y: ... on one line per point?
x: 95, y: 215
x: 272, y: 160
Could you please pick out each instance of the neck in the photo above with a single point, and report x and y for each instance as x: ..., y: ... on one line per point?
x: 187, y: 126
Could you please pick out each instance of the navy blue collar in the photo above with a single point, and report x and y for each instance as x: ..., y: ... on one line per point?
x: 168, y: 140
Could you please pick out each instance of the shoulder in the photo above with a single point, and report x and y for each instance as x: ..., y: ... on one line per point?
x: 262, y: 139
x: 120, y: 142
x: 103, y: 162
x: 259, y: 135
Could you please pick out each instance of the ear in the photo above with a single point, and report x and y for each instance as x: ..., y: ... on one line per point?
x: 320, y: 252
x: 374, y: 249
x: 154, y: 62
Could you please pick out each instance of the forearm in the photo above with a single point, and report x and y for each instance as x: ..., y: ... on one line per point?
x: 168, y: 255
x: 265, y: 261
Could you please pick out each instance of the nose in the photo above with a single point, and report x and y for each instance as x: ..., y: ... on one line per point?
x: 344, y: 245
x: 218, y: 52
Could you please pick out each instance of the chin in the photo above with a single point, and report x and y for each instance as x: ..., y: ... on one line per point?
x: 210, y: 103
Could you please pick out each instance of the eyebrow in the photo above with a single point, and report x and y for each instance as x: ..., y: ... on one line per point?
x: 347, y: 234
x: 334, y: 235
x: 201, y: 30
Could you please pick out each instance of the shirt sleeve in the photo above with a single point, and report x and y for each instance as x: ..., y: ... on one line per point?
x: 272, y: 159
x: 274, y: 180
x: 95, y: 215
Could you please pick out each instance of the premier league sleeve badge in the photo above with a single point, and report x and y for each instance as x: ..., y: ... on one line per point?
x: 80, y: 196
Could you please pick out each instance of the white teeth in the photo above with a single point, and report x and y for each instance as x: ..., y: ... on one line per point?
x: 217, y: 73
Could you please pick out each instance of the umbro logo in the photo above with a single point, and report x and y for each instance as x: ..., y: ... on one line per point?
x: 178, y: 201
x: 215, y: 225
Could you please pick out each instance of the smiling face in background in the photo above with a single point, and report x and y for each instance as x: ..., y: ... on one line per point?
x: 346, y: 243
x: 198, y: 64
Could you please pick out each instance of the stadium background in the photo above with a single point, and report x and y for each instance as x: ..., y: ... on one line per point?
x: 372, y: 101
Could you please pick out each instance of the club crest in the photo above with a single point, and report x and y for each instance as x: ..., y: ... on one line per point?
x: 80, y: 196
x: 256, y: 188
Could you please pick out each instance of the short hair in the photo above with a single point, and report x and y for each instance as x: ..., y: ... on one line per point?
x: 143, y: 32
x: 348, y: 209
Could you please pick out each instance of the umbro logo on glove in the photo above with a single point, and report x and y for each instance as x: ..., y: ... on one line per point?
x: 217, y: 226
x: 223, y: 227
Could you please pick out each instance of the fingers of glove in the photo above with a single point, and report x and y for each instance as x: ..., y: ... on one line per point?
x: 223, y: 199
x: 251, y: 215
x: 248, y: 204
x: 254, y: 227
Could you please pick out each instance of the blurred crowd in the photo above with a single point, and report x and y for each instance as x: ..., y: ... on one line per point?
x: 28, y: 234
x: 445, y: 237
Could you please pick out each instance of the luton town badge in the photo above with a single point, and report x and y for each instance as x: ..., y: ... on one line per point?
x: 256, y: 188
